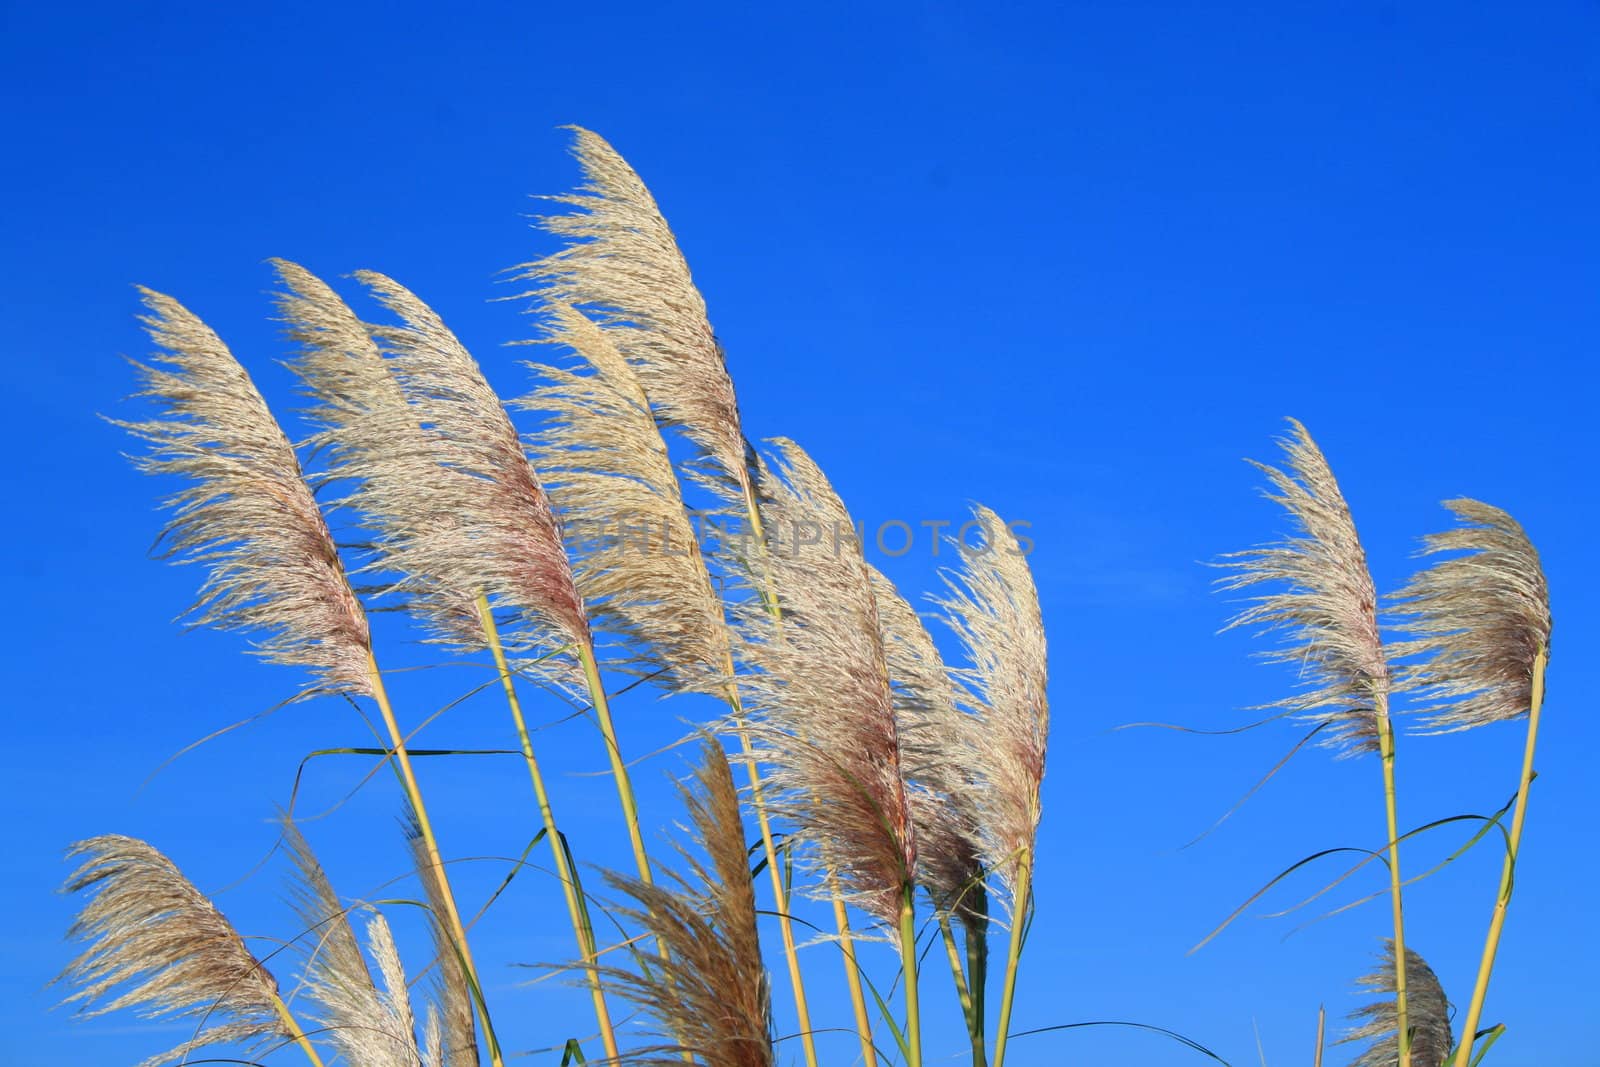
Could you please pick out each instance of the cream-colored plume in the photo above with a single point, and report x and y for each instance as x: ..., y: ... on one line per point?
x: 248, y: 516
x: 818, y: 682
x: 1478, y: 620
x: 1326, y: 602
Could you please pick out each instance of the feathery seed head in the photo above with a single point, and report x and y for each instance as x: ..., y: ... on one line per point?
x: 624, y: 268
x: 939, y: 756
x: 507, y: 544
x: 1326, y: 600
x: 248, y: 515
x: 707, y: 990
x: 818, y: 681
x: 635, y: 557
x: 993, y: 607
x: 1479, y: 620
x: 451, y: 1010
x: 174, y: 955
x: 1427, y: 1012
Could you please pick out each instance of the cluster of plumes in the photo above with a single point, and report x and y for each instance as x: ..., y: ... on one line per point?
x: 1427, y: 1012
x: 817, y: 680
x: 364, y: 1023
x: 1327, y: 602
x: 174, y: 955
x: 993, y: 606
x: 635, y: 556
x: 159, y: 945
x: 248, y: 515
x: 938, y: 746
x: 1478, y: 620
x: 623, y: 267
x: 441, y: 475
x: 706, y: 988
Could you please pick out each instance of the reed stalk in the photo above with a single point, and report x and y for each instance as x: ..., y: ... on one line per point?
x: 581, y: 928
x: 430, y: 846
x: 1491, y: 945
x: 908, y: 964
x: 1021, y: 900
x: 1322, y: 1024
x: 1386, y: 758
x: 292, y: 1029
x: 858, y: 998
x: 969, y: 1008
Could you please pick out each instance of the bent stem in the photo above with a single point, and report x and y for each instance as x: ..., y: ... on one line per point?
x: 1497, y: 922
x: 581, y: 928
x: 1386, y: 756
x: 1021, y: 900
x: 294, y: 1033
x: 430, y: 845
x: 969, y: 1008
x: 908, y: 963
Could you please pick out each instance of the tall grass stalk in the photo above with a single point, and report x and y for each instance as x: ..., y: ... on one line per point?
x: 969, y: 1007
x: 1401, y: 1003
x: 1021, y: 901
x: 582, y: 929
x: 1491, y: 944
x: 852, y: 970
x: 430, y: 845
x: 908, y: 966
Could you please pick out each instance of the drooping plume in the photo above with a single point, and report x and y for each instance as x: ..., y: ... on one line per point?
x: 248, y: 517
x: 818, y: 681
x: 939, y: 750
x: 1326, y: 601
x: 364, y: 1024
x: 706, y: 989
x: 1428, y: 1014
x: 635, y: 556
x: 993, y: 607
x: 372, y: 436
x: 442, y: 476
x: 623, y: 267
x: 174, y: 956
x: 1479, y: 620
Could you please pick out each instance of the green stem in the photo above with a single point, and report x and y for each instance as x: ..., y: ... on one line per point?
x: 451, y: 920
x: 581, y: 927
x: 969, y: 1008
x: 908, y: 964
x: 1021, y: 899
x: 1497, y: 921
x: 1401, y: 1005
x: 619, y: 769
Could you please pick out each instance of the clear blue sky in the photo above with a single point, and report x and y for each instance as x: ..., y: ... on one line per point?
x: 1072, y: 260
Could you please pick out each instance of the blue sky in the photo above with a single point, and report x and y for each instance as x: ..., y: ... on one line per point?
x: 1072, y: 260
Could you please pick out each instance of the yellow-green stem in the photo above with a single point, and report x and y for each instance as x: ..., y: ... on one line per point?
x: 1497, y: 921
x: 293, y: 1032
x: 619, y: 769
x: 1020, y: 900
x: 963, y: 991
x: 1401, y: 1004
x: 569, y: 884
x: 1322, y: 1024
x: 452, y: 917
x: 780, y: 893
x: 852, y: 973
x: 908, y: 964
